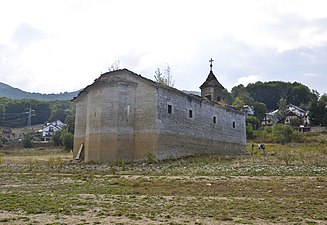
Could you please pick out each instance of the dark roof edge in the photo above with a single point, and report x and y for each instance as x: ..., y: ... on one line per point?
x: 158, y: 85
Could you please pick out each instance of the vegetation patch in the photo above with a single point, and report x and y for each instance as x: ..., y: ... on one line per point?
x: 284, y: 184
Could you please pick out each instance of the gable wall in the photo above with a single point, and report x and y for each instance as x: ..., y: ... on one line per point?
x: 116, y: 119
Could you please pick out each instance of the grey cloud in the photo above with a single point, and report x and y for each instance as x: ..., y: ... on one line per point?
x: 290, y: 26
x: 235, y: 59
x: 25, y: 34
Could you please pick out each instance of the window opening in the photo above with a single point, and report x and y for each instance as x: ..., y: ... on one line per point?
x: 170, y: 109
x: 233, y: 124
x: 190, y: 113
x: 214, y: 119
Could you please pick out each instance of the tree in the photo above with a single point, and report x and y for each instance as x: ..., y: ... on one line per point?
x: 282, y: 108
x: 249, y: 132
x: 318, y: 111
x: 61, y: 109
x: 159, y: 77
x: 271, y: 92
x: 166, y: 78
x: 284, y: 134
x: 70, y: 122
x: 227, y: 97
x: 238, y: 103
x: 253, y: 121
x: 241, y: 92
x: 259, y: 109
x: 63, y: 138
x: 27, y: 141
x: 114, y: 66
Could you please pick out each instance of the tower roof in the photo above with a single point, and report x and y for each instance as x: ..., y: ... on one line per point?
x: 211, y: 81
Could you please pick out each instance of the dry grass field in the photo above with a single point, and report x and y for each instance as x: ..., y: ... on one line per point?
x: 285, y: 184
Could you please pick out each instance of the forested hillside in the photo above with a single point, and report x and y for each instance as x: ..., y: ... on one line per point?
x: 15, y: 93
x: 263, y: 96
x: 15, y: 112
x: 271, y: 92
x: 269, y: 96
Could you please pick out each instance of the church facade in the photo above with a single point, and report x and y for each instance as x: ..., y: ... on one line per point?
x: 124, y: 116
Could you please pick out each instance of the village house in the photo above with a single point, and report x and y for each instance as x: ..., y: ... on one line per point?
x: 295, y: 116
x: 49, y: 129
x: 124, y: 116
x: 269, y: 119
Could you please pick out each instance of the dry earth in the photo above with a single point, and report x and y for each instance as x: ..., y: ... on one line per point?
x: 44, y: 187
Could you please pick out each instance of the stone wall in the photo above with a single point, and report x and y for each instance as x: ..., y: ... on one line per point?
x: 116, y: 119
x: 182, y: 134
x: 125, y: 116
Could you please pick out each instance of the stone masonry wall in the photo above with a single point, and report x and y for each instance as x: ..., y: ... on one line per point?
x: 125, y: 116
x: 180, y: 135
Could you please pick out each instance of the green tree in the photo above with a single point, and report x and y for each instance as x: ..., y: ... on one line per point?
x: 284, y: 134
x: 253, y: 121
x: 61, y: 109
x: 67, y: 140
x: 318, y: 111
x: 63, y: 138
x: 238, y: 103
x: 271, y: 92
x: 282, y: 108
x: 259, y: 109
x: 56, y: 138
x: 249, y: 132
x: 241, y: 93
x: 70, y: 122
x: 227, y: 97
x: 28, y: 141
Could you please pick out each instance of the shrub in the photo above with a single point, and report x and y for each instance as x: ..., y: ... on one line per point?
x: 67, y: 140
x: 56, y: 138
x: 28, y: 141
x: 263, y: 135
x: 285, y: 134
x: 63, y: 138
x: 151, y: 157
x: 249, y: 132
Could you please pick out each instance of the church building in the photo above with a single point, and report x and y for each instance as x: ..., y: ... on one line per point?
x: 125, y: 116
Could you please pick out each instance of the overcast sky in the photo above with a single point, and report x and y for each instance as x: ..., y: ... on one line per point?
x: 52, y: 46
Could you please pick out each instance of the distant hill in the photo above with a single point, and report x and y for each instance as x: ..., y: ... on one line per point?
x: 15, y: 93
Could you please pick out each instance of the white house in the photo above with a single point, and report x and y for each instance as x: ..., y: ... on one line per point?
x: 49, y: 129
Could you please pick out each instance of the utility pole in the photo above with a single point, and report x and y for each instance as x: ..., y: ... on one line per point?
x: 29, y: 118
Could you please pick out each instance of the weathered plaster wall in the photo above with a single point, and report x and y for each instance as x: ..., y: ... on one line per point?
x: 118, y: 117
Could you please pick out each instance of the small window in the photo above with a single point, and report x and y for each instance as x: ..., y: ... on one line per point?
x: 170, y: 109
x: 190, y: 113
x: 214, y: 119
x: 233, y: 124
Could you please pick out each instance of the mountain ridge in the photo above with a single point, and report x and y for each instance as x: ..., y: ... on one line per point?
x: 16, y: 93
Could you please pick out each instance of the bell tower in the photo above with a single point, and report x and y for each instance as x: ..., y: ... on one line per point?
x: 211, y: 88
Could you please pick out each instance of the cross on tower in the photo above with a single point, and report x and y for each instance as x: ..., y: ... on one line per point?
x: 211, y: 60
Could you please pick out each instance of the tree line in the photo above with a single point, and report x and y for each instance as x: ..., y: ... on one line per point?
x: 269, y: 96
x: 16, y: 112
